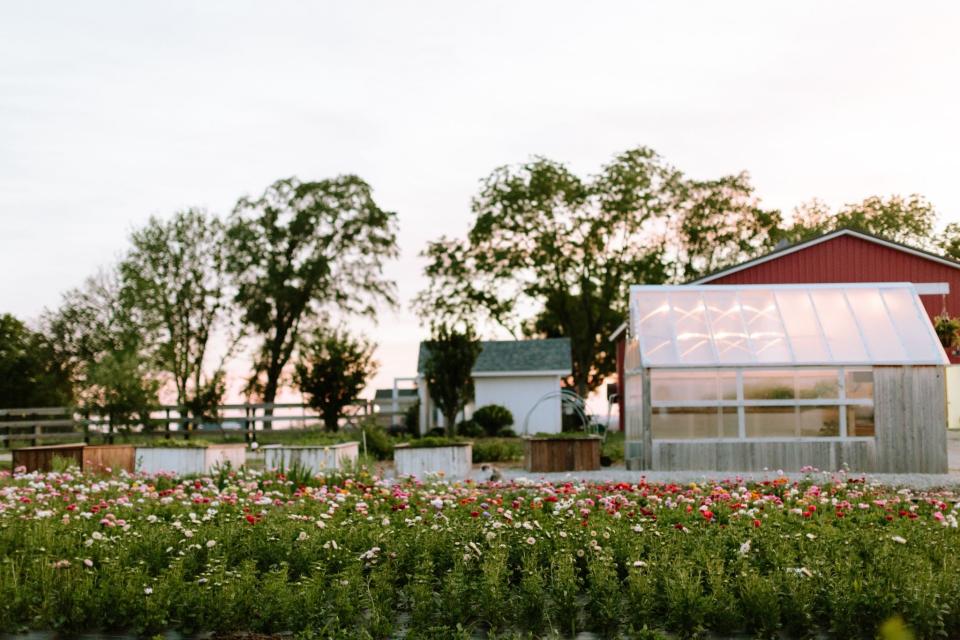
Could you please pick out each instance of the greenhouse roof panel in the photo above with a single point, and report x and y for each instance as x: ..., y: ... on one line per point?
x: 782, y: 325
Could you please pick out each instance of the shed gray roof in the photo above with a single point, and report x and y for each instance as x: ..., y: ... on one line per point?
x: 548, y: 354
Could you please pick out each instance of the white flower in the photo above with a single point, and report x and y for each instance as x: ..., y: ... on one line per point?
x: 148, y: 590
x: 254, y: 445
x: 385, y: 522
x: 899, y: 540
x: 810, y: 536
x: 88, y: 563
x: 639, y: 563
x: 211, y: 544
x: 437, y: 503
x: 745, y: 548
x: 96, y: 535
x: 531, y: 540
x: 303, y: 536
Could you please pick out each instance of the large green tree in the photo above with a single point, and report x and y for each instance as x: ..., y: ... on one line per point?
x: 96, y: 336
x: 552, y: 254
x: 908, y: 219
x: 332, y: 369
x: 30, y: 373
x: 175, y: 282
x: 448, y: 370
x: 300, y: 249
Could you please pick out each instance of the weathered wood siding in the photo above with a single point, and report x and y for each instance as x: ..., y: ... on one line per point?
x: 788, y: 455
x: 109, y: 458
x: 561, y: 454
x: 316, y: 459
x: 911, y: 419
x: 452, y: 461
x: 41, y: 458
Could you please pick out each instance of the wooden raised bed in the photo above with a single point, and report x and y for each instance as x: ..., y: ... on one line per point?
x: 561, y: 454
x: 185, y: 461
x: 314, y: 458
x: 41, y: 458
x: 452, y: 461
x: 107, y: 458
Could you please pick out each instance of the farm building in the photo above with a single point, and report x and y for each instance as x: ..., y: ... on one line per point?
x: 842, y: 256
x: 753, y: 377
x: 522, y: 375
x: 390, y: 404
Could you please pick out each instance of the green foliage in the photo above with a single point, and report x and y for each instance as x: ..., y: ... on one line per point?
x: 948, y: 330
x: 569, y: 247
x: 493, y: 418
x: 497, y: 450
x: 301, y: 248
x: 95, y: 333
x: 470, y: 429
x: 349, y: 556
x: 379, y: 442
x: 565, y: 435
x: 910, y: 220
x: 30, y: 373
x: 448, y: 368
x: 174, y: 282
x: 432, y: 442
x: 332, y: 370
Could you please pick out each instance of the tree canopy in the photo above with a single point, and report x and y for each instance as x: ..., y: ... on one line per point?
x: 174, y: 279
x: 552, y: 254
x: 300, y: 249
x: 332, y: 369
x: 448, y: 370
x: 30, y: 374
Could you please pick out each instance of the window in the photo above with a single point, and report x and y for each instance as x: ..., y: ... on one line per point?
x: 805, y: 402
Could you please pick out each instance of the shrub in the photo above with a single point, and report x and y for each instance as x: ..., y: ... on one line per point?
x: 470, y: 429
x: 431, y: 442
x: 497, y: 450
x: 379, y: 443
x: 493, y: 418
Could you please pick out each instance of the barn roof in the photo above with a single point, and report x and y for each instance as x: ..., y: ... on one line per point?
x: 804, y: 244
x: 517, y: 356
x: 782, y: 325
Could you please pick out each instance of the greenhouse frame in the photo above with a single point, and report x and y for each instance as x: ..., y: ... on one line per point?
x: 755, y: 377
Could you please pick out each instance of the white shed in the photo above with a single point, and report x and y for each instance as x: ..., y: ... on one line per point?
x: 522, y: 375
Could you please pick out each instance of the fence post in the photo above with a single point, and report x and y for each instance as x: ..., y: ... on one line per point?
x: 37, y: 430
x: 166, y: 424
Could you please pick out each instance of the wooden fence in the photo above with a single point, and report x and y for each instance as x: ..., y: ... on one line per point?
x: 40, y: 425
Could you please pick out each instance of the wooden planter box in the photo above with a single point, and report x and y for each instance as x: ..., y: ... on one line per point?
x: 562, y: 454
x: 183, y: 461
x: 315, y: 458
x: 453, y: 461
x: 107, y: 458
x: 41, y: 458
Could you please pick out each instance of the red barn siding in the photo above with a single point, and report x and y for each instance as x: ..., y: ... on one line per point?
x: 852, y: 259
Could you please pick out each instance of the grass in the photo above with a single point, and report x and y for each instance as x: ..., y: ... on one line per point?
x: 351, y: 556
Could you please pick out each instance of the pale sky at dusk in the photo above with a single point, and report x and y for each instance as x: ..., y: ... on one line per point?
x: 113, y: 111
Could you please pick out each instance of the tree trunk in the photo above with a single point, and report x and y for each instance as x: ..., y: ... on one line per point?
x: 270, y: 394
x: 451, y: 424
x: 331, y: 421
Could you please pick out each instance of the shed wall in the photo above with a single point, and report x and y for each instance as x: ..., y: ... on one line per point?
x: 519, y: 394
x: 910, y: 413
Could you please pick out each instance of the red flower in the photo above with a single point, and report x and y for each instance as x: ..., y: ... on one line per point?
x: 474, y: 514
x: 756, y: 523
x: 251, y: 519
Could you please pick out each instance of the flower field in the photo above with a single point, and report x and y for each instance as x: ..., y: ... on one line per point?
x: 355, y: 556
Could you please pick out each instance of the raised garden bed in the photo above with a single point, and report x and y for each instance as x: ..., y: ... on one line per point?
x: 433, y: 456
x: 561, y: 453
x: 107, y: 458
x: 315, y: 458
x: 189, y: 460
x: 41, y: 458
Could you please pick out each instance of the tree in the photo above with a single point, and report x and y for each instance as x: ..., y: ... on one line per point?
x: 174, y: 281
x: 448, y: 370
x: 551, y: 254
x: 30, y: 374
x: 910, y: 220
x: 300, y: 248
x: 98, y: 339
x: 332, y: 370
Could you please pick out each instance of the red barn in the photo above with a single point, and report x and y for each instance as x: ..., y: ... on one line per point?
x: 845, y: 255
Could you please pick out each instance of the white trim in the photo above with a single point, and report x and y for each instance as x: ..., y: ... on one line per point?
x: 815, y: 241
x: 932, y: 288
x: 518, y: 374
x: 667, y: 288
x: 616, y: 332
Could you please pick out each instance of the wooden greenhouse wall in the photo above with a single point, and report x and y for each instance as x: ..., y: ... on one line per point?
x: 910, y: 422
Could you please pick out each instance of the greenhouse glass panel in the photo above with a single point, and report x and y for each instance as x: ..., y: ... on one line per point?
x: 818, y: 384
x: 771, y: 422
x: 685, y: 423
x: 768, y: 338
x: 820, y: 422
x: 783, y: 325
x: 673, y: 386
x: 769, y: 385
x: 859, y: 384
x: 860, y: 422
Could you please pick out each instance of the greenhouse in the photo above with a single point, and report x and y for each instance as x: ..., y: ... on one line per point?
x: 753, y: 377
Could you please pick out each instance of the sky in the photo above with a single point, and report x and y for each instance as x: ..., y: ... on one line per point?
x: 111, y: 112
